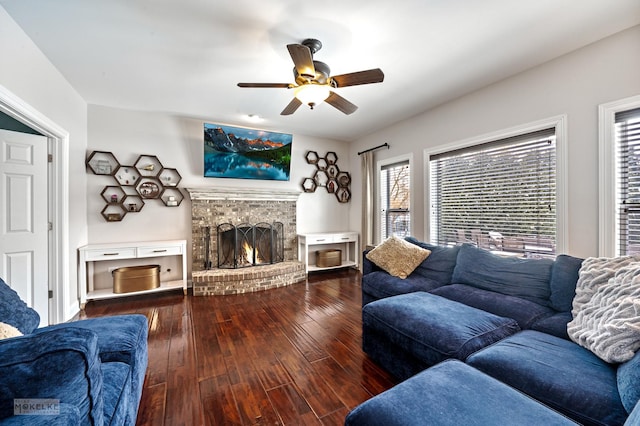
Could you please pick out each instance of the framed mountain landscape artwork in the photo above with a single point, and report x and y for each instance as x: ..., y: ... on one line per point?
x: 241, y: 153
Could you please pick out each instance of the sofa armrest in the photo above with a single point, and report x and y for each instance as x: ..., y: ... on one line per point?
x: 59, y: 364
x: 121, y: 338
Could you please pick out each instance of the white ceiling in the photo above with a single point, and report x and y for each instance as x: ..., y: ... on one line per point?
x: 185, y: 57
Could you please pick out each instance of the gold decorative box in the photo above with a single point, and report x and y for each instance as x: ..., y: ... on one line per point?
x: 136, y: 278
x: 328, y: 258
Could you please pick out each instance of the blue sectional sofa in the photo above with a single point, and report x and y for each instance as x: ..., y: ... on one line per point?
x: 505, y: 318
x: 87, y: 372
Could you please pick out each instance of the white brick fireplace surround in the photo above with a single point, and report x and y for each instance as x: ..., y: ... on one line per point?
x: 211, y: 207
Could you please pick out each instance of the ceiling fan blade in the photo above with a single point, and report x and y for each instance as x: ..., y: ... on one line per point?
x: 276, y: 85
x: 292, y: 107
x: 302, y: 59
x: 361, y: 77
x: 341, y: 103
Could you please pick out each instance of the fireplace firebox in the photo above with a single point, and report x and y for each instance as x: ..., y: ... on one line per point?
x: 245, y: 245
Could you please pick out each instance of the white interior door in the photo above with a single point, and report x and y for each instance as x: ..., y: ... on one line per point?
x: 24, y: 219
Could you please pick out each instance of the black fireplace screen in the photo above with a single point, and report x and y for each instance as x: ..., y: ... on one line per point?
x: 241, y: 246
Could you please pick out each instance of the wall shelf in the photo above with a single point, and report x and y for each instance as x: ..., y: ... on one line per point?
x: 149, y: 188
x: 171, y: 197
x: 309, y: 185
x: 321, y: 178
x: 146, y: 179
x: 169, y: 177
x: 127, y: 175
x: 148, y: 165
x: 327, y: 174
x: 112, y: 194
x: 113, y: 212
x: 343, y: 195
x: 102, y: 163
x: 133, y: 203
x: 331, y: 157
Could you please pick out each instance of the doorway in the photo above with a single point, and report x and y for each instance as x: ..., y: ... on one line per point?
x: 59, y: 305
x: 24, y: 263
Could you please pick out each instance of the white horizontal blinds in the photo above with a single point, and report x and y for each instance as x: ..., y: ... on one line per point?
x: 394, y: 199
x: 628, y: 180
x: 499, y: 195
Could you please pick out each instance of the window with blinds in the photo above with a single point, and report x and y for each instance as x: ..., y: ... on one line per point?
x: 628, y: 180
x: 499, y: 195
x: 395, y: 217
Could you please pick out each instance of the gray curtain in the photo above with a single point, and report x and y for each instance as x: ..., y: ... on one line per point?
x: 368, y: 176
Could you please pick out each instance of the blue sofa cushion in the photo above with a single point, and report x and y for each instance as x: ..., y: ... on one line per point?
x: 564, y: 276
x: 440, y: 263
x: 433, y: 328
x: 70, y: 356
x: 452, y: 394
x: 116, y: 393
x: 557, y: 372
x: 15, y: 312
x: 628, y: 378
x: 380, y: 284
x: 524, y: 278
x: 556, y: 324
x: 521, y: 310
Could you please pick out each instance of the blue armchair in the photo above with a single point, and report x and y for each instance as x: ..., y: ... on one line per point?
x: 87, y: 372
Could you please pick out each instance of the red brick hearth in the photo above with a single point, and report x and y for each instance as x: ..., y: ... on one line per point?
x: 246, y: 280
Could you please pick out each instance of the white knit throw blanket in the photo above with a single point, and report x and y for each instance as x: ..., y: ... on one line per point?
x: 606, y: 308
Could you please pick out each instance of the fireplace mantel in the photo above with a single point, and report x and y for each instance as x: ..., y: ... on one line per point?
x: 243, y: 194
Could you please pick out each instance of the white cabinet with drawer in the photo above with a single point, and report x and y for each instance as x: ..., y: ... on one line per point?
x: 110, y: 254
x: 123, y: 254
x: 163, y: 250
x: 347, y: 242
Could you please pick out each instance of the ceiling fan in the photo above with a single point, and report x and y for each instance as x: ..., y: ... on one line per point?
x: 313, y: 82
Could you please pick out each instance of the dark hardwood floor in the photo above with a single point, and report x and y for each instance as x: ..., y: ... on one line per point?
x: 288, y: 356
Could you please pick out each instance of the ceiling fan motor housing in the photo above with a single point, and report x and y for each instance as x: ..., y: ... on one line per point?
x: 322, y: 73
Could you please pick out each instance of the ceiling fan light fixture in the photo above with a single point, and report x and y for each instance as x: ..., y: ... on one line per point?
x: 312, y: 94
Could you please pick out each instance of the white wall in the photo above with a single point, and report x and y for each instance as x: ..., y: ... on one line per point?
x: 29, y: 75
x: 574, y: 84
x: 178, y: 143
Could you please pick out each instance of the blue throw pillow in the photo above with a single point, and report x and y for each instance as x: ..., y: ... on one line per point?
x: 440, y: 263
x: 564, y: 276
x: 525, y: 278
x: 15, y: 312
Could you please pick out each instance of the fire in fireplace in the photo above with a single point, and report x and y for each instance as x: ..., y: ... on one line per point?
x: 247, y: 245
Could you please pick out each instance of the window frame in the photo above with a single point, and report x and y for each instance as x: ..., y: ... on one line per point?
x: 608, y: 233
x: 559, y: 123
x: 380, y: 165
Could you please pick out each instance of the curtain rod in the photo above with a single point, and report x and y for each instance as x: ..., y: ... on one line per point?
x: 374, y: 148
